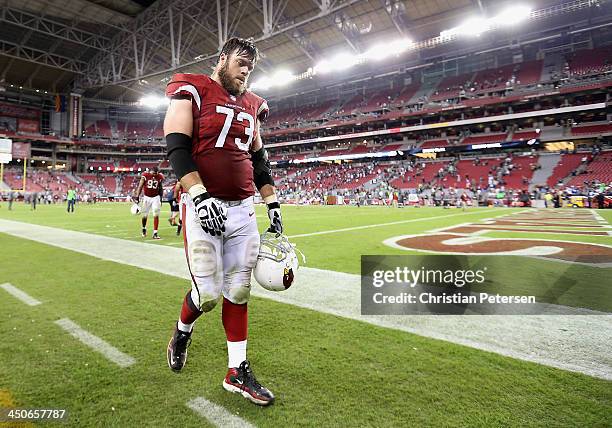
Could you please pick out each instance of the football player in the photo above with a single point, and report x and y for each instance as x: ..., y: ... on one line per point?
x: 174, y: 207
x: 212, y: 130
x: 151, y: 181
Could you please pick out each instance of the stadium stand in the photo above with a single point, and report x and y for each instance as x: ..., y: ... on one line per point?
x: 529, y: 73
x: 598, y: 170
x: 103, y: 129
x: 590, y: 61
x: 567, y: 164
x: 450, y: 86
x: 406, y: 94
x: 599, y: 128
x: 524, y: 135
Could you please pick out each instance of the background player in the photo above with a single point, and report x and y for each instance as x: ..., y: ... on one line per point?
x: 175, y: 218
x: 215, y: 148
x: 151, y: 182
x: 71, y: 199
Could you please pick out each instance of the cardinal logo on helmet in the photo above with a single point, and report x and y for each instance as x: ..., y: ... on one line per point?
x: 288, y: 277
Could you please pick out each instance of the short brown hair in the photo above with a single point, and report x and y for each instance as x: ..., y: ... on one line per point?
x: 241, y: 46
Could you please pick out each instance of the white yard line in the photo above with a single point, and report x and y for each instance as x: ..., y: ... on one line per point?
x: 578, y: 343
x: 216, y: 414
x: 369, y: 226
x: 94, y: 342
x: 20, y: 295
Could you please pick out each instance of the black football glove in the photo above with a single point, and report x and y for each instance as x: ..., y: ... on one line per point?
x: 276, y: 220
x: 136, y: 199
x: 211, y: 212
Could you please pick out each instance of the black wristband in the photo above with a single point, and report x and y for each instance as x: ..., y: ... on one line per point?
x: 262, y: 171
x: 273, y: 205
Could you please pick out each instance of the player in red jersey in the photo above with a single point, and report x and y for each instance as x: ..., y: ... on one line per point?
x: 215, y: 148
x: 151, y: 182
x: 464, y: 200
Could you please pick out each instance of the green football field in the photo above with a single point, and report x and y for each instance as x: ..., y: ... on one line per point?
x: 325, y: 369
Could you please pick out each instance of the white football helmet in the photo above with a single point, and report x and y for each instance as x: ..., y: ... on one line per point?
x: 277, y: 262
x: 135, y: 209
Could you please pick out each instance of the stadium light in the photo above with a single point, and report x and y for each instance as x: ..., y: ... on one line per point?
x: 279, y: 78
x: 339, y: 62
x: 384, y: 50
x: 153, y: 101
x: 263, y: 83
x: 478, y: 25
x: 472, y: 27
x: 512, y: 15
x: 377, y: 53
x: 323, y: 66
x: 282, y: 77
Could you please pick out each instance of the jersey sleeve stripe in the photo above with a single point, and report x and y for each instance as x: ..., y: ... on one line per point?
x: 262, y: 107
x: 193, y: 91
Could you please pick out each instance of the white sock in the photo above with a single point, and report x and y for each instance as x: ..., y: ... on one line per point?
x: 236, y: 353
x: 154, y: 230
x: 185, y: 327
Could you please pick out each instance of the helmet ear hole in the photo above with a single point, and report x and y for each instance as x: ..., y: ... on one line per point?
x: 277, y: 263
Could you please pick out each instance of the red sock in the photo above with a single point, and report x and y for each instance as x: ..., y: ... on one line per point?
x: 155, y: 223
x: 235, y: 321
x: 189, y: 311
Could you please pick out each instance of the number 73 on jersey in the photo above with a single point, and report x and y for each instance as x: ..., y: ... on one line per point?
x: 242, y: 116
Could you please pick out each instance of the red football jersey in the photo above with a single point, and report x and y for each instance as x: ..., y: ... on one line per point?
x: 224, y: 127
x: 153, y: 182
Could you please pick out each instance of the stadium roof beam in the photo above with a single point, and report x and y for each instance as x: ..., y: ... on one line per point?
x: 175, y: 50
x: 480, y: 6
x: 397, y: 13
x: 271, y: 17
x: 202, y: 15
x: 225, y: 28
x: 324, y: 5
x: 32, y: 75
x: 23, y: 40
x: 115, y: 12
x: 154, y: 22
x: 53, y: 28
x: 298, y: 38
x: 222, y: 20
x: 36, y: 56
x: 300, y: 43
x: 146, y: 37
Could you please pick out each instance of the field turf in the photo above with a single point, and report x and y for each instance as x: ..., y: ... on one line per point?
x: 325, y: 370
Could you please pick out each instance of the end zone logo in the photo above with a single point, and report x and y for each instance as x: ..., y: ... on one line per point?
x: 466, y: 239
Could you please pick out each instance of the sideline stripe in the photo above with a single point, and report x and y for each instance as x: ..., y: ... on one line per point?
x: 368, y: 226
x: 21, y: 295
x: 216, y: 414
x: 95, y: 343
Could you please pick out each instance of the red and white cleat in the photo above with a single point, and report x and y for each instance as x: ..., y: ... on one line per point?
x: 242, y: 380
